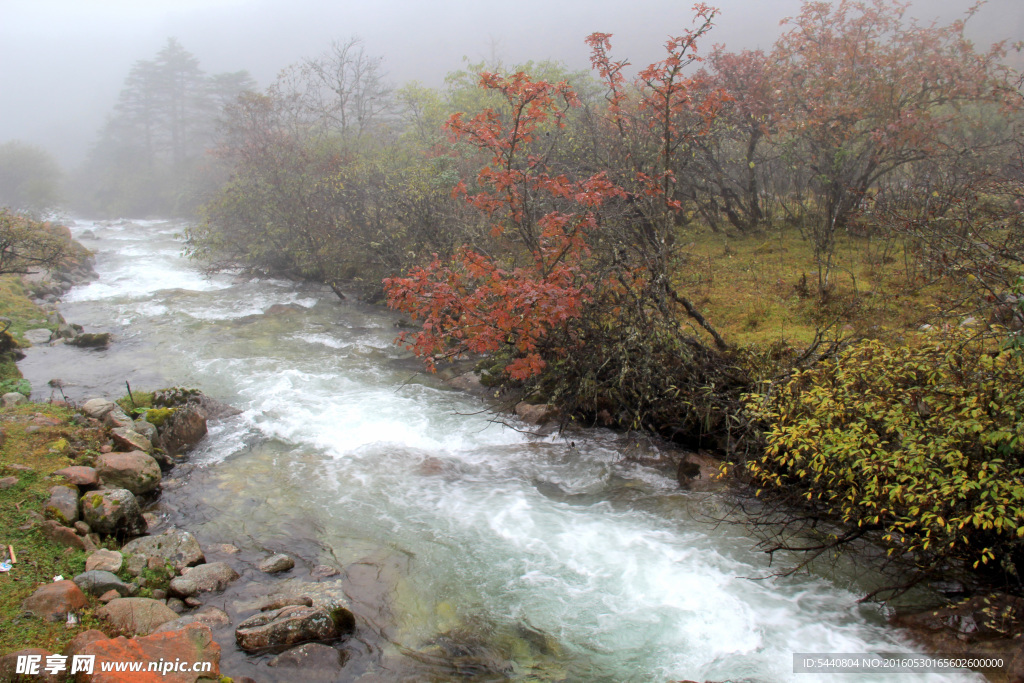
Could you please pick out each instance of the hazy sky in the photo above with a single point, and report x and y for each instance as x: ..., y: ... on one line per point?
x: 62, y: 62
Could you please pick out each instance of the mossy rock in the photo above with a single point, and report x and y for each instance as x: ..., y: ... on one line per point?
x: 158, y: 416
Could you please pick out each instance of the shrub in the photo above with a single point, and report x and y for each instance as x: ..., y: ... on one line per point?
x: 922, y: 443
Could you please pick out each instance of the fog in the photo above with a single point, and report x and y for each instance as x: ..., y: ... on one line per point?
x: 62, y: 62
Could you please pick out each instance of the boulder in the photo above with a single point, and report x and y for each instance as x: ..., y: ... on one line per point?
x: 276, y: 563
x: 13, y: 398
x: 135, y: 471
x: 80, y: 476
x: 98, y: 407
x: 537, y: 414
x: 91, y: 340
x: 9, y: 667
x: 204, y: 578
x: 8, y: 482
x: 209, y: 615
x: 53, y: 601
x: 82, y: 529
x: 184, y: 429
x: 178, y: 548
x: 291, y: 626
x: 115, y: 511
x: 278, y: 601
x: 62, y: 535
x: 137, y: 616
x: 192, y: 644
x: 97, y: 582
x: 146, y: 429
x: 40, y: 335
x: 119, y: 419
x: 62, y: 505
x: 130, y: 439
x: 81, y: 640
x: 104, y: 560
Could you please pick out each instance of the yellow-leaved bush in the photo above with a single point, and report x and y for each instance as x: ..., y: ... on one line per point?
x: 922, y: 442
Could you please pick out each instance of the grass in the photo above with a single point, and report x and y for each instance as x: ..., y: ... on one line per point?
x: 763, y: 289
x: 16, y: 305
x: 42, y: 437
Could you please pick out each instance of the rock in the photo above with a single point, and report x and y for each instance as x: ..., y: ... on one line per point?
x: 113, y: 512
x: 119, y: 419
x: 82, y: 529
x: 322, y: 571
x: 193, y: 602
x: 104, y: 560
x: 9, y: 667
x: 8, y: 482
x: 284, y: 309
x: 468, y: 382
x: 81, y: 640
x: 291, y: 626
x: 193, y: 644
x: 209, y: 615
x: 152, y: 520
x: 130, y: 439
x: 135, y: 471
x: 699, y: 472
x: 225, y: 548
x: 184, y: 429
x: 986, y: 616
x: 80, y: 476
x: 40, y: 335
x: 176, y: 605
x: 312, y: 658
x: 146, y: 429
x: 62, y: 505
x: 53, y: 601
x: 276, y: 563
x: 138, y: 616
x: 537, y: 414
x: 158, y: 594
x: 178, y: 548
x: 97, y: 582
x: 13, y: 398
x: 62, y: 534
x: 204, y: 578
x: 98, y: 407
x: 91, y: 340
x: 109, y: 595
x: 279, y: 601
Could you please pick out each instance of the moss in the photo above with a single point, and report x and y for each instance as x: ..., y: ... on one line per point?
x: 158, y: 416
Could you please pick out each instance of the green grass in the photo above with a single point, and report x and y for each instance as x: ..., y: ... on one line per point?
x: 45, y: 448
x: 16, y: 305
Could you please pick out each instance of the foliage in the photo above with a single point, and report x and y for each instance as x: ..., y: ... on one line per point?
x: 924, y: 444
x: 29, y: 179
x: 27, y: 244
x: 21, y: 386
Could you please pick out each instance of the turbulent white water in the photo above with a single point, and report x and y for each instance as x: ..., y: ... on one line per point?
x: 343, y: 456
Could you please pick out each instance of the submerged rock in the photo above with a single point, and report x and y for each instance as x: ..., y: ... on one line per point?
x: 91, y: 340
x: 276, y: 563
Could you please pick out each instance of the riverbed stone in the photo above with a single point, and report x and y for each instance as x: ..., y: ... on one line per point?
x: 184, y: 429
x: 61, y: 534
x: 98, y: 407
x: 204, y: 578
x: 117, y: 418
x: 113, y: 511
x: 290, y: 626
x: 135, y: 471
x: 40, y: 335
x: 275, y: 602
x: 138, y: 616
x: 209, y: 615
x: 146, y: 429
x: 537, y: 414
x: 276, y: 563
x: 104, y: 560
x: 97, y: 582
x: 13, y: 398
x: 193, y: 644
x: 312, y: 659
x: 91, y: 340
x: 53, y: 601
x: 130, y: 439
x: 62, y: 505
x: 177, y: 547
x: 79, y: 475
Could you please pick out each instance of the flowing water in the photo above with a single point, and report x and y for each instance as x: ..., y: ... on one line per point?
x: 469, y: 550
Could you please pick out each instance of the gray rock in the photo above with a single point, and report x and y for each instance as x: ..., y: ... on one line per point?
x: 146, y: 429
x: 178, y: 548
x: 129, y: 438
x: 118, y: 418
x: 291, y: 626
x: 176, y: 605
x: 13, y: 398
x: 98, y: 407
x: 39, y: 335
x: 97, y: 582
x: 104, y: 560
x: 8, y: 482
x: 279, y: 601
x: 135, y: 471
x: 80, y: 476
x: 537, y: 414
x: 63, y: 505
x: 184, y: 429
x: 113, y: 511
x: 204, y: 578
x: 312, y: 658
x: 276, y: 563
x: 137, y: 616
x: 209, y: 615
x: 82, y: 529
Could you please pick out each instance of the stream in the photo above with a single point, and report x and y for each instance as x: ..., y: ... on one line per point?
x: 469, y: 550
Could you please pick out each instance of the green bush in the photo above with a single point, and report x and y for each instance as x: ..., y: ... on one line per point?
x: 923, y: 443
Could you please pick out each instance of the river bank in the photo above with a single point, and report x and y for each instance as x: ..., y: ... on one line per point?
x: 557, y: 558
